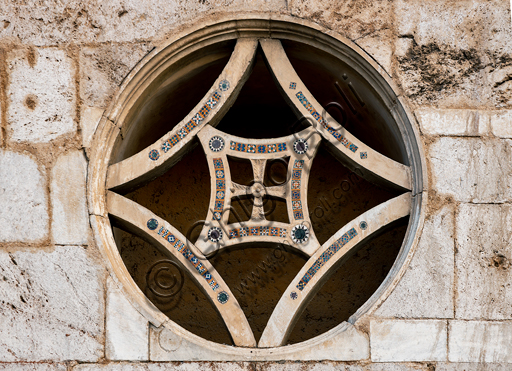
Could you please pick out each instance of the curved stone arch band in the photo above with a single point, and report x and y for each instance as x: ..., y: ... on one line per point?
x: 161, y: 155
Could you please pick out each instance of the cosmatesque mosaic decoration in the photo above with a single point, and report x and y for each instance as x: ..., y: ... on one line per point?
x: 295, y: 184
x: 257, y: 231
x: 220, y: 185
x: 195, y: 120
x: 318, y: 117
x: 254, y: 148
x: 185, y: 251
x: 326, y: 255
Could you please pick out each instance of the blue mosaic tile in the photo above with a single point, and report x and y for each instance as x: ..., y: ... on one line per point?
x: 293, y: 85
x: 363, y: 155
x: 154, y: 155
x: 224, y: 85
x: 152, y: 224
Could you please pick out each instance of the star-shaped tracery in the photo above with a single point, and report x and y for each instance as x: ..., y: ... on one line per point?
x: 300, y: 148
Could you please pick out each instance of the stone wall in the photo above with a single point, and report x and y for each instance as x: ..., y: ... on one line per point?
x: 61, y: 62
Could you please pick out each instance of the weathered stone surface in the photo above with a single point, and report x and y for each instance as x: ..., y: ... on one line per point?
x: 472, y: 367
x: 477, y: 341
x: 24, y: 209
x: 51, y: 306
x: 41, y: 94
x: 89, y: 120
x: 408, y: 341
x: 379, y: 46
x: 33, y: 367
x: 483, y: 262
x: 103, y: 69
x: 353, y: 19
x: 55, y: 22
x: 426, y: 290
x: 127, y: 330
x: 471, y: 169
x: 453, y: 122
x: 189, y: 366
x: 501, y: 123
x: 70, y: 219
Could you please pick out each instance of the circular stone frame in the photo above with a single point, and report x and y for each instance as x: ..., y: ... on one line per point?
x: 207, y: 32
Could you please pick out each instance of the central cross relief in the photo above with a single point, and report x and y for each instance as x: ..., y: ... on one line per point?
x: 297, y: 151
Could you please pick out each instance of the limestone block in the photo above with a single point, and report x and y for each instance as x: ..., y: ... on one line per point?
x: 24, y: 209
x: 451, y: 122
x: 501, y: 123
x: 471, y: 169
x: 70, y: 219
x: 408, y: 341
x: 397, y: 367
x: 472, y: 366
x: 103, y: 68
x: 89, y: 120
x: 32, y: 367
x: 51, y: 307
x: 379, y: 46
x: 443, y: 62
x: 353, y: 19
x: 127, y: 330
x: 478, y: 341
x: 483, y: 262
x: 41, y: 95
x: 426, y: 289
x: 451, y: 23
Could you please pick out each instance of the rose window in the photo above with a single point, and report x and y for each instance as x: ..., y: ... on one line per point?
x: 248, y: 180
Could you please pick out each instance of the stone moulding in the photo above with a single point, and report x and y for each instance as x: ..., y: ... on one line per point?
x: 118, y: 118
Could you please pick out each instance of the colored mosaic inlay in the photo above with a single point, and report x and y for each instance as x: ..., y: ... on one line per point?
x: 293, y: 85
x: 300, y: 233
x: 189, y: 255
x: 152, y: 224
x: 193, y: 123
x: 326, y: 255
x: 293, y: 295
x: 363, y: 225
x: 223, y: 297
x: 318, y: 117
x: 220, y: 188
x: 364, y: 155
x: 215, y: 234
x: 257, y: 148
x: 154, y: 155
x: 257, y: 231
x: 296, y: 196
x: 224, y: 85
